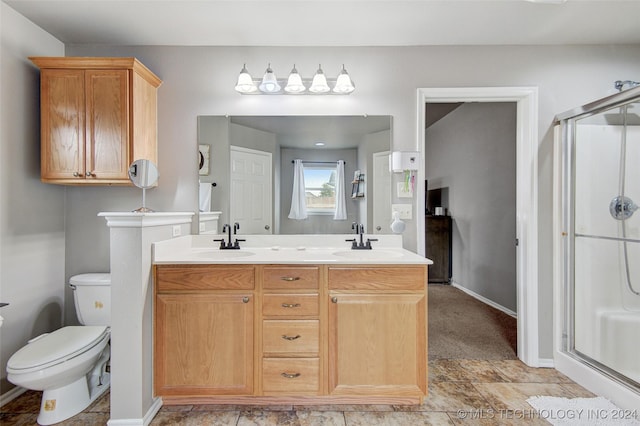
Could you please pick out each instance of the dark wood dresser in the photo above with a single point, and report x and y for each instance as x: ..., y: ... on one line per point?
x: 438, y: 248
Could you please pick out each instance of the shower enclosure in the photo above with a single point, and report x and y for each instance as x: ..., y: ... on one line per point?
x: 600, y: 248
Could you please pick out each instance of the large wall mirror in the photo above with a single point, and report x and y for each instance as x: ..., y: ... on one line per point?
x: 247, y: 167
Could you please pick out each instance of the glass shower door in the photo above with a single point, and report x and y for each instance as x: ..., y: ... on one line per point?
x: 604, y: 241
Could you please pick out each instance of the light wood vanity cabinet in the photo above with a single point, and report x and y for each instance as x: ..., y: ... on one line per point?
x: 204, y: 330
x: 377, y: 331
x: 98, y: 115
x: 308, y: 334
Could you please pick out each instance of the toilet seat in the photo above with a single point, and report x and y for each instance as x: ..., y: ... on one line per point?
x: 56, y: 348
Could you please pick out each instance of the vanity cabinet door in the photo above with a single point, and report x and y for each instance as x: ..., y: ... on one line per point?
x: 377, y: 344
x: 204, y: 344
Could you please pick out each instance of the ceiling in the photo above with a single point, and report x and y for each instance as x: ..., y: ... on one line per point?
x: 335, y: 23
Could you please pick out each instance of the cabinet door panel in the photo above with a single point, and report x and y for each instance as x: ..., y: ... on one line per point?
x: 204, y: 344
x: 107, y: 155
x: 377, y: 344
x: 62, y: 124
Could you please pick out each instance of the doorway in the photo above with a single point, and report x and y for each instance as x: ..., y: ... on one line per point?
x: 526, y: 99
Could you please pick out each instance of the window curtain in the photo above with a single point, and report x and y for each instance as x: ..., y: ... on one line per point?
x: 341, y: 203
x: 298, y: 196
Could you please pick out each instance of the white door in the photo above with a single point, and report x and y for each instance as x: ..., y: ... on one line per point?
x: 381, y: 193
x: 250, y: 200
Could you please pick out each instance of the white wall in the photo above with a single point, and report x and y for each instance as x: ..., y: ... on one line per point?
x: 472, y: 153
x: 32, y: 232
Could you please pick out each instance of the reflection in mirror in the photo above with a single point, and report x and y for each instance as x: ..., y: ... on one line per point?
x: 143, y: 174
x: 250, y: 178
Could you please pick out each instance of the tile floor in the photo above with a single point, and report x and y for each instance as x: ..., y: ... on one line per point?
x: 461, y: 392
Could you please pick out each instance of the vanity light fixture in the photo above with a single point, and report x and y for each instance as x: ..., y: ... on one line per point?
x: 294, y: 84
x: 269, y: 82
x: 344, y: 84
x: 245, y: 83
x: 319, y: 83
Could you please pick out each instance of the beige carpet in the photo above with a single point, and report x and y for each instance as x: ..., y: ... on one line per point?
x: 462, y: 327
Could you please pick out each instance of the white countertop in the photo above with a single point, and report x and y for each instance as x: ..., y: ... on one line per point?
x: 284, y: 249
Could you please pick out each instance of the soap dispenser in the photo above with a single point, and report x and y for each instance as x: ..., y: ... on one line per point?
x: 397, y: 226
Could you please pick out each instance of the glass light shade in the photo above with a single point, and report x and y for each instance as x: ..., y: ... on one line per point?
x: 319, y: 83
x: 294, y: 83
x: 269, y: 82
x: 344, y: 84
x: 245, y: 82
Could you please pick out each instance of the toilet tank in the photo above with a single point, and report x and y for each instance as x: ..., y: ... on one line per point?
x: 92, y: 297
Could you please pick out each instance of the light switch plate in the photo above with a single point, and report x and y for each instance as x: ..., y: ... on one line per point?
x: 176, y: 230
x: 404, y: 210
x: 402, y: 193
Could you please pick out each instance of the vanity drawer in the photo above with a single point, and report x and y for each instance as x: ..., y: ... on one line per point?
x: 290, y: 337
x: 284, y: 375
x: 286, y: 277
x: 204, y: 277
x: 385, y: 278
x: 290, y: 305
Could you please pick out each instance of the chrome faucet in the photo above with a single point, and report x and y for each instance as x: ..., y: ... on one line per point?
x: 228, y: 245
x: 359, y: 230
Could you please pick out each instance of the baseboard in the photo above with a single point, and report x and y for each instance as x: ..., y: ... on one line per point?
x: 146, y: 420
x: 11, y: 395
x: 484, y: 300
x: 546, y: 363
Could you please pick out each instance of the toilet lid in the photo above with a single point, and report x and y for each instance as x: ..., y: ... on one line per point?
x: 57, y: 347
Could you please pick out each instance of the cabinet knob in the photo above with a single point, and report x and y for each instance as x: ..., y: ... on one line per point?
x: 245, y: 299
x: 290, y: 278
x: 267, y: 227
x: 290, y: 375
x: 334, y: 299
x: 90, y: 174
x: 290, y: 305
x: 290, y: 338
x: 378, y: 228
x: 76, y: 174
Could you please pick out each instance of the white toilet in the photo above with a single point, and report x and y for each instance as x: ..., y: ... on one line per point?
x: 70, y: 364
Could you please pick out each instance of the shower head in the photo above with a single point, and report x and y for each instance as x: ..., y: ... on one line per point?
x: 619, y: 84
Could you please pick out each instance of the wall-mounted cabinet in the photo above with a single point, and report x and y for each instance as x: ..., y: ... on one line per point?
x: 97, y: 115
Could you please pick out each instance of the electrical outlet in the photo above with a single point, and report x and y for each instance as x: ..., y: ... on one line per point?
x: 177, y: 231
x: 202, y: 227
x: 402, y: 193
x: 404, y: 210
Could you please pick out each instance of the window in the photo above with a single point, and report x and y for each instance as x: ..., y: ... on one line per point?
x: 320, y: 189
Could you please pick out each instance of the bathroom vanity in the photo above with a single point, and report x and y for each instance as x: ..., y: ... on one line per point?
x: 270, y: 324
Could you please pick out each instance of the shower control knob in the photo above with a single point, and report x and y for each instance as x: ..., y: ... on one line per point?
x: 622, y: 208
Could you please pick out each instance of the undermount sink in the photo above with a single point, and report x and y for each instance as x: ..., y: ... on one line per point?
x: 224, y: 254
x: 367, y: 254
